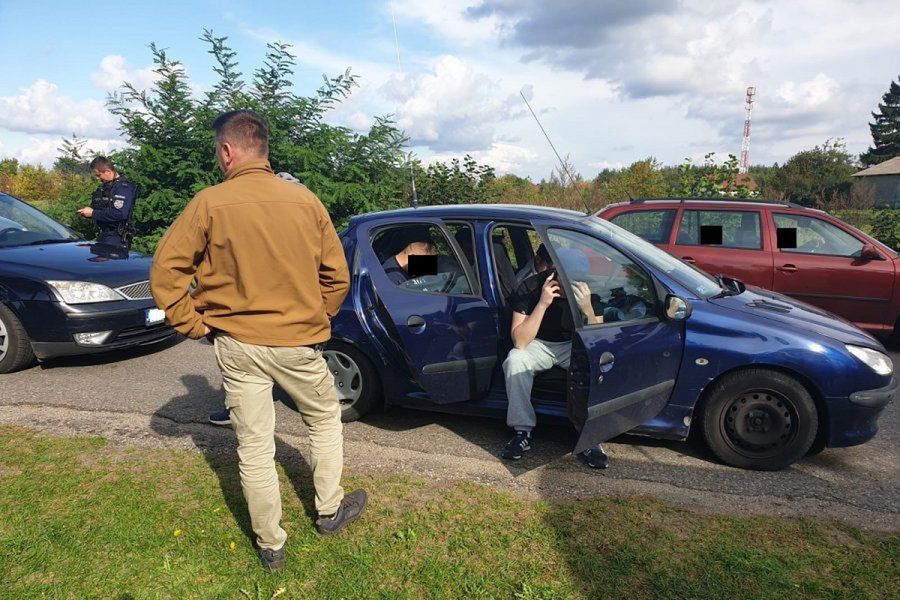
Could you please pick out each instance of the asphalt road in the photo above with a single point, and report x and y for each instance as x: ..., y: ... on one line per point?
x: 160, y: 397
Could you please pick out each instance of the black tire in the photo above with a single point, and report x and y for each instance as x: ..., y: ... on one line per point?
x: 356, y: 380
x: 759, y: 419
x: 15, y: 349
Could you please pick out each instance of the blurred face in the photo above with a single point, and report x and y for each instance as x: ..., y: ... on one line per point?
x: 104, y: 175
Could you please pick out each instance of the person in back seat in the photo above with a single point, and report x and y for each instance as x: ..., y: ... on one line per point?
x: 416, y: 241
x: 542, y: 338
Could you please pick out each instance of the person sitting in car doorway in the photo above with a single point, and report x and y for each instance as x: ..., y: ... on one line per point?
x: 542, y: 338
x: 417, y: 241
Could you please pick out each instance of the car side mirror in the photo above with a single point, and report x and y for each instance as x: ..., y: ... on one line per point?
x: 677, y: 309
x: 869, y: 252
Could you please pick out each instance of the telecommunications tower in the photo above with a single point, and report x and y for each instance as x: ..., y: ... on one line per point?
x: 745, y: 144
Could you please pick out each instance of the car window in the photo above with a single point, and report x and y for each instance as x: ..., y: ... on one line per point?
x: 691, y: 277
x: 725, y: 228
x: 22, y: 224
x: 652, y: 225
x: 512, y: 253
x: 418, y: 257
x: 465, y: 239
x: 619, y: 288
x: 808, y: 235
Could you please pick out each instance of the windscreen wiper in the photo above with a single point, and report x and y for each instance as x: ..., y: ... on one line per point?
x: 37, y: 242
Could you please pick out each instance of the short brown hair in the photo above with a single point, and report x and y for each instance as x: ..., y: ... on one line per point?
x: 243, y: 128
x: 101, y: 163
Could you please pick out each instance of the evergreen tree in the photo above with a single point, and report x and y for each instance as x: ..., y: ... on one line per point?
x: 171, y: 157
x: 73, y: 158
x: 886, y: 128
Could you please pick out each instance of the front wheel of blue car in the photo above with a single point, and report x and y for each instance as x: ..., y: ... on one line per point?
x: 355, y: 380
x: 15, y: 349
x: 759, y: 419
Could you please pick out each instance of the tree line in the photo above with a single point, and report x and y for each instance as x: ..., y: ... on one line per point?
x: 169, y: 155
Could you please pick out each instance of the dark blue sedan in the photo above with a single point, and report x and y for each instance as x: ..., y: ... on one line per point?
x: 767, y: 379
x: 61, y: 295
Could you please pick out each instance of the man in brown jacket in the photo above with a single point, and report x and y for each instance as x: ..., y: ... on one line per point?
x: 270, y: 272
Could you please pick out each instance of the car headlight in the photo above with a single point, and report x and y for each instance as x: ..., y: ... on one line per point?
x: 82, y: 292
x: 878, y: 362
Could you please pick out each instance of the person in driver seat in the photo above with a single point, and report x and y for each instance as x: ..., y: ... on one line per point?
x: 416, y: 241
x: 542, y: 338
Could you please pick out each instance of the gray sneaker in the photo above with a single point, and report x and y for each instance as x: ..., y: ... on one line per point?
x: 272, y: 560
x: 352, y: 506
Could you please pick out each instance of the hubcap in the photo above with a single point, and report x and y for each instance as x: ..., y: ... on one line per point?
x: 347, y: 376
x: 759, y: 423
x: 4, y: 340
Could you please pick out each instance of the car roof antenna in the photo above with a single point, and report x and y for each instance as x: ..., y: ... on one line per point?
x: 412, y: 175
x: 562, y: 163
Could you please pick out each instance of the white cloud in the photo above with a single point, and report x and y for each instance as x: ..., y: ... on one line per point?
x: 508, y: 158
x: 43, y: 149
x: 605, y: 164
x: 114, y: 71
x: 447, y: 18
x: 40, y: 108
x: 453, y: 106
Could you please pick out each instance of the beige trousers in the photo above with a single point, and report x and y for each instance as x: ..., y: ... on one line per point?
x: 248, y: 374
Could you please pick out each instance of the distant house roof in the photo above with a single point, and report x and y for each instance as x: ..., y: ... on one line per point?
x: 888, y: 167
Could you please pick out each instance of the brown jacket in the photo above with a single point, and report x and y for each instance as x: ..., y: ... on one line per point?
x: 268, y: 264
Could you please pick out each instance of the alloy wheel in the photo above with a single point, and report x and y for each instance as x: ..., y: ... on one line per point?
x: 347, y: 376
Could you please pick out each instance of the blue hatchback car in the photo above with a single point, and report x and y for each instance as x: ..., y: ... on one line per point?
x: 767, y: 379
x: 61, y: 295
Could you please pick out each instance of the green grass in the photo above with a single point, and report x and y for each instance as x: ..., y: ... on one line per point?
x: 79, y: 519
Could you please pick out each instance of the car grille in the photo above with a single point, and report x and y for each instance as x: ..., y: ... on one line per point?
x: 139, y: 332
x: 136, y: 291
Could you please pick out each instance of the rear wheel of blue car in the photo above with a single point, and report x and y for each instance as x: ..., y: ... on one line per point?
x: 355, y: 380
x: 15, y: 349
x: 759, y: 419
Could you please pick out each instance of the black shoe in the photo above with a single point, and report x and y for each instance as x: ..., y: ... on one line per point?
x: 221, y: 417
x: 272, y: 560
x: 595, y: 457
x: 352, y: 506
x: 517, y: 446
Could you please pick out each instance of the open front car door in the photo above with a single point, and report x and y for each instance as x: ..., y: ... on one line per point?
x: 622, y: 370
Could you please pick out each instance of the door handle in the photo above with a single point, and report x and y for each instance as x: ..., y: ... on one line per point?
x: 787, y: 268
x: 416, y: 323
x: 606, y: 361
x: 688, y: 259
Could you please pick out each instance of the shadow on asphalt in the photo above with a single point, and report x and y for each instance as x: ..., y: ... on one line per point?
x: 112, y: 356
x: 186, y: 416
x: 553, y: 438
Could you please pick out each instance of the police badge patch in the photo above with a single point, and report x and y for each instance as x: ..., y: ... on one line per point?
x: 119, y: 203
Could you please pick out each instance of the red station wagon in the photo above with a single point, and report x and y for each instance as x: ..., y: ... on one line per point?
x: 787, y: 248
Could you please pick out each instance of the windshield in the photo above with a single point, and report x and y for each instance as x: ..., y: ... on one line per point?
x: 697, y: 281
x: 21, y: 225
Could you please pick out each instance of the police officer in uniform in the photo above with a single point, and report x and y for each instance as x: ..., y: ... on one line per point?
x: 111, y: 205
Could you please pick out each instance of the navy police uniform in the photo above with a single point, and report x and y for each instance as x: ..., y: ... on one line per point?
x: 113, y: 203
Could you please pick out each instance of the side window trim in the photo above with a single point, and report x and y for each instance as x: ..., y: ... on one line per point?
x: 475, y: 272
x: 760, y: 222
x: 811, y: 217
x: 375, y: 229
x: 667, y: 236
x: 489, y: 236
x: 652, y: 316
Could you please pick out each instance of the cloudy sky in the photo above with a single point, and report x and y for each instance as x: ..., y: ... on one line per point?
x: 612, y: 82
